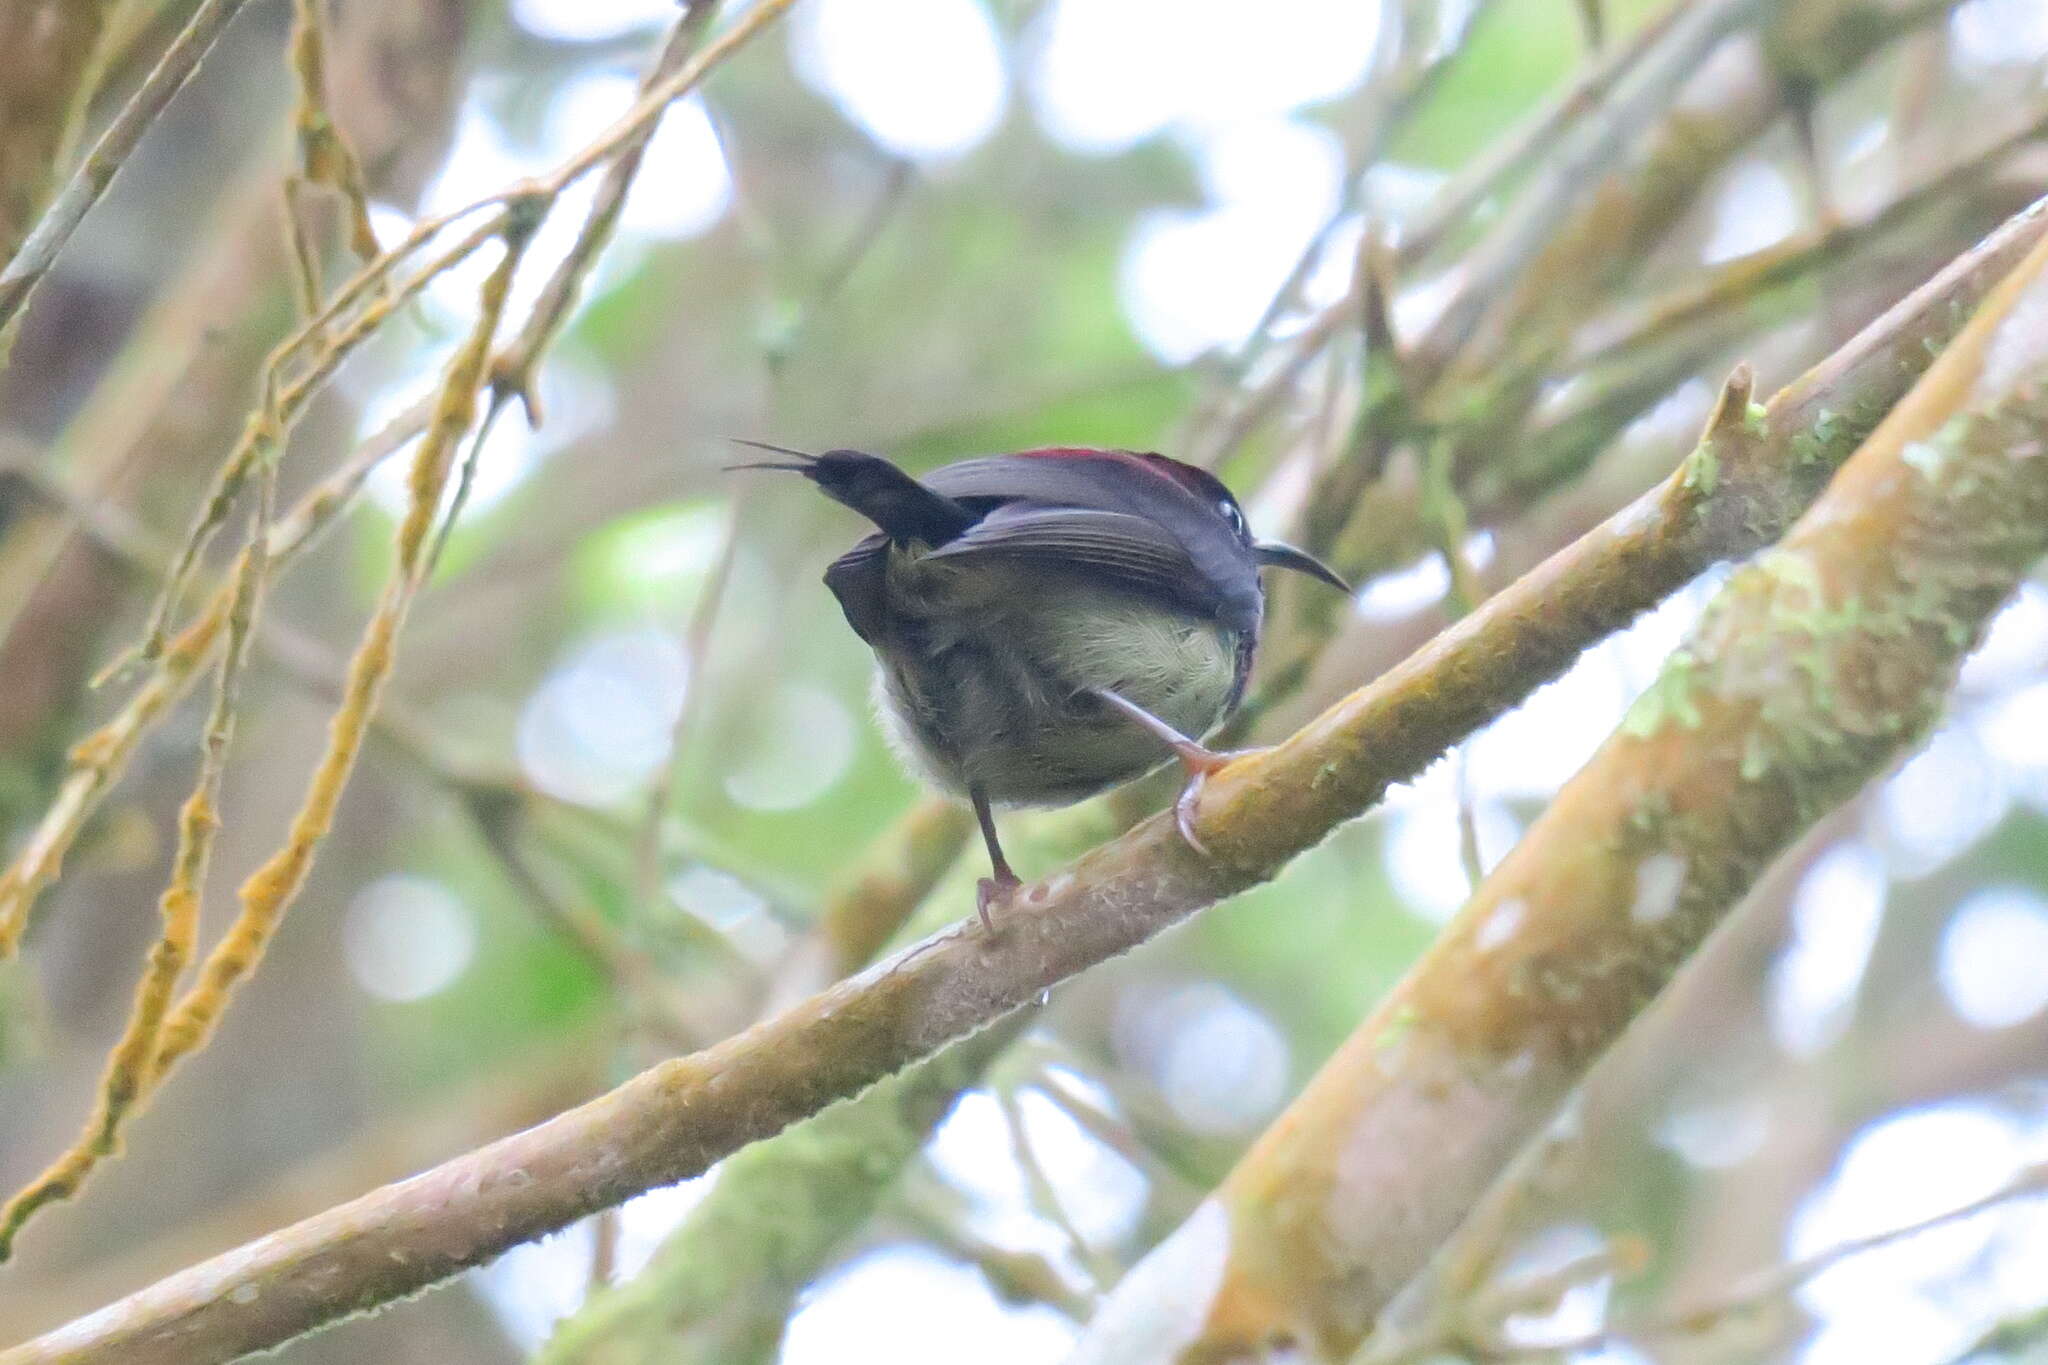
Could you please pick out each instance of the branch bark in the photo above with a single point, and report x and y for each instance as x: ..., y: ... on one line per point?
x: 1735, y: 493
x: 47, y: 57
x: 1817, y: 666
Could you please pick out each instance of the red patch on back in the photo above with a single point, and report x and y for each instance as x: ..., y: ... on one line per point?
x: 1072, y: 453
x: 1187, y: 476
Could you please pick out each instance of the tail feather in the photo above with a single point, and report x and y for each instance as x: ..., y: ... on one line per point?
x: 903, y: 508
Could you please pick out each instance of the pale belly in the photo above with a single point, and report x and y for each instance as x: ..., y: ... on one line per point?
x: 1005, y: 705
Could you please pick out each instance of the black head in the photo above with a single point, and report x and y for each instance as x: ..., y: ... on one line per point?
x: 898, y: 504
x: 1209, y: 490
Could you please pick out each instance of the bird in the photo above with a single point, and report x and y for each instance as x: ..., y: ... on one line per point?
x: 1048, y: 624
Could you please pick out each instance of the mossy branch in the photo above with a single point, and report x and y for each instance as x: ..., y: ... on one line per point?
x: 159, y: 1034
x: 721, y: 1287
x: 1477, y: 372
x: 1816, y: 667
x: 677, y: 1118
x: 271, y: 889
x: 129, y: 1069
x: 98, y: 760
x: 325, y: 157
x: 155, y: 1040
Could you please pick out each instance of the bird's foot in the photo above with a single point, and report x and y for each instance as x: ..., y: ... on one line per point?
x: 991, y: 891
x: 1198, y: 762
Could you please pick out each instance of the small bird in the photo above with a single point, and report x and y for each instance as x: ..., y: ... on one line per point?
x: 1051, y: 623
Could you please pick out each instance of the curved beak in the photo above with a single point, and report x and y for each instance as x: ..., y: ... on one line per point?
x: 1279, y: 556
x: 799, y: 468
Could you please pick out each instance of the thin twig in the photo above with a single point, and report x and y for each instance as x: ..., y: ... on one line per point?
x: 514, y: 370
x: 40, y: 249
x: 1507, y: 250
x: 97, y: 760
x: 128, y: 1078
x: 651, y: 998
x: 696, y: 649
x: 325, y: 157
x: 270, y: 426
x: 270, y: 890
x: 1737, y: 283
x: 1455, y: 205
x: 1045, y: 1196
x: 1747, y: 1293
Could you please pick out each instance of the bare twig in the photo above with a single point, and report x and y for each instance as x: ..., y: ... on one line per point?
x: 1748, y: 1293
x: 652, y: 999
x: 696, y: 647
x: 39, y: 250
x: 53, y: 57
x: 514, y: 370
x: 1018, y: 1277
x: 1454, y: 206
x: 1045, y: 1195
x: 1737, y: 283
x: 1514, y: 242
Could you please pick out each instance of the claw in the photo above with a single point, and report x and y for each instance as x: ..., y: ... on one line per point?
x: 1184, y: 814
x: 1198, y: 763
x: 992, y: 891
x: 1195, y: 759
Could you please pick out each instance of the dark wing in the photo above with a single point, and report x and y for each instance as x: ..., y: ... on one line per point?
x: 1111, y: 547
x: 857, y: 579
x: 1079, y: 480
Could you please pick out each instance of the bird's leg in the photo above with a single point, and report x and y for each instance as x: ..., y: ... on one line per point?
x: 1196, y: 759
x: 989, y: 890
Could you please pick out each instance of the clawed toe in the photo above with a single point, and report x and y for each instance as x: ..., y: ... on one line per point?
x: 1184, y: 814
x: 1199, y: 763
x: 991, y: 891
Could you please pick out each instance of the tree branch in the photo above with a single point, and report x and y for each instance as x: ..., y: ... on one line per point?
x: 1816, y: 667
x: 674, y: 1120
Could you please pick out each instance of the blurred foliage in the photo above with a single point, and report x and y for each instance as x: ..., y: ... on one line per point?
x: 847, y: 297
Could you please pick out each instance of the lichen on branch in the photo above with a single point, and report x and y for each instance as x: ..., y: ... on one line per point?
x: 1819, y: 664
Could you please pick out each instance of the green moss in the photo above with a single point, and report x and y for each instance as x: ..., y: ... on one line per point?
x: 1756, y: 756
x: 1651, y: 816
x: 1671, y: 698
x: 1834, y: 436
x: 1703, y: 469
x: 1397, y: 1030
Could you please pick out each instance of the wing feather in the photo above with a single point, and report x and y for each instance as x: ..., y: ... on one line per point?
x: 1112, y: 547
x: 859, y: 579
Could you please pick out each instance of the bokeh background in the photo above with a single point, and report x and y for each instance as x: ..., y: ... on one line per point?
x: 934, y: 228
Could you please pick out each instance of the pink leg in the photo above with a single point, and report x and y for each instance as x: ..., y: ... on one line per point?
x: 1196, y: 760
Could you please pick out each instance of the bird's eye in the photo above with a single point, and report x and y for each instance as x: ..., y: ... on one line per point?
x: 1233, y: 514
